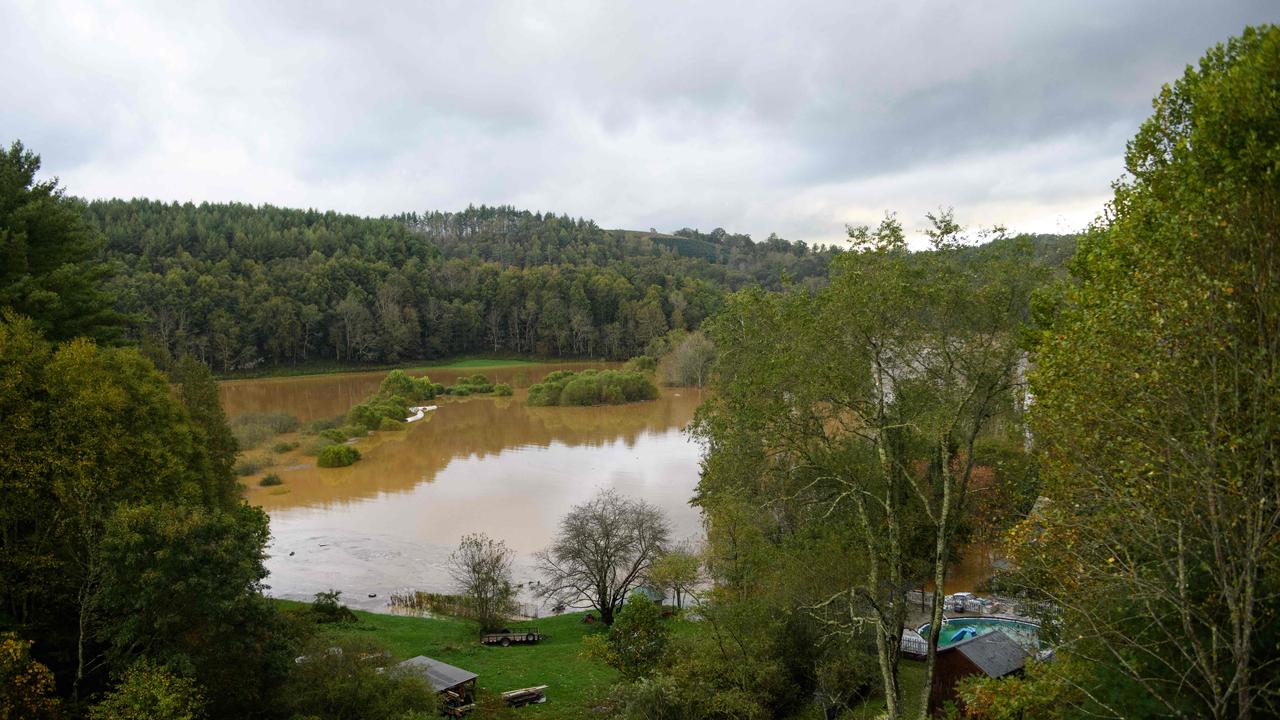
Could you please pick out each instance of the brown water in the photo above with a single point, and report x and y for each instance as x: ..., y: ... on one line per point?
x: 488, y: 465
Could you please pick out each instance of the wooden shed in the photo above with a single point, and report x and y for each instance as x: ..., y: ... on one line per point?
x: 457, y: 687
x: 993, y: 654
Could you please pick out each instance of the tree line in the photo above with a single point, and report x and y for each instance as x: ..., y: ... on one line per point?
x: 238, y: 286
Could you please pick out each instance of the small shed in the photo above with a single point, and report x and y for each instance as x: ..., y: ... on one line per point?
x: 993, y: 654
x: 457, y: 685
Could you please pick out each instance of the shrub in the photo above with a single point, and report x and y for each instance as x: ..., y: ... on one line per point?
x: 250, y: 465
x: 340, y: 677
x: 502, y: 390
x: 326, y: 609
x: 252, y: 429
x: 317, y: 426
x: 271, y: 479
x: 640, y: 363
x: 337, y: 456
x: 333, y: 435
x: 284, y: 447
x: 390, y: 425
x: 151, y: 691
x: 591, y: 387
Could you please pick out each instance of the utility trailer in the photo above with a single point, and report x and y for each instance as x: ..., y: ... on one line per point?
x: 507, y: 637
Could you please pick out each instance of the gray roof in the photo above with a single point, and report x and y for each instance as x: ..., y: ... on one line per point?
x: 442, y: 676
x: 995, y: 653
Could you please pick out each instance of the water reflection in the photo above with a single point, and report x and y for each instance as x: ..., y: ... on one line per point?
x: 480, y: 465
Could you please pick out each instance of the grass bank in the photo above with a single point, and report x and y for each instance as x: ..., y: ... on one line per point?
x: 329, y: 367
x: 575, y: 684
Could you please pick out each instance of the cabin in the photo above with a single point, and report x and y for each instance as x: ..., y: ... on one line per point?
x: 457, y: 687
x: 993, y: 654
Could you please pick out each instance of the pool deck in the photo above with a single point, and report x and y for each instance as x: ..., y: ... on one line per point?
x: 1002, y: 608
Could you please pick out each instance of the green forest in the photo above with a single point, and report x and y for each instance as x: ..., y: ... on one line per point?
x: 1104, y: 406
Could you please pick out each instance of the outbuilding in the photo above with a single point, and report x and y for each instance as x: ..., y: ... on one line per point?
x: 993, y: 654
x: 457, y: 687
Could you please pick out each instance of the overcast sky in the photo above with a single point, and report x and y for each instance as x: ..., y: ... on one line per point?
x: 788, y: 117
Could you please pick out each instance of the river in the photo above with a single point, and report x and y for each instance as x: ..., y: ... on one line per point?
x: 482, y: 464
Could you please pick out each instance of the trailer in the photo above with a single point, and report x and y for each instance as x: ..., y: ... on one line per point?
x: 507, y: 637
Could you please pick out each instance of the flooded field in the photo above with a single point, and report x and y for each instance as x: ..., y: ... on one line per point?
x: 488, y: 465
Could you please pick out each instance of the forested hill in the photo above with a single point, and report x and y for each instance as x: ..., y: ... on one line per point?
x: 239, y: 286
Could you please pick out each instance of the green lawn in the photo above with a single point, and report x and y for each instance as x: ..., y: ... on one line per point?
x: 575, y: 684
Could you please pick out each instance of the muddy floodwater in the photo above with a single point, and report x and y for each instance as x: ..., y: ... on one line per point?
x: 490, y: 465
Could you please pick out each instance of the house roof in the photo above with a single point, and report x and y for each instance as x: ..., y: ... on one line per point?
x: 995, y: 653
x: 442, y: 676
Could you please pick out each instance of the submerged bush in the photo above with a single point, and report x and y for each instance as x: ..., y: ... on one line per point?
x: 284, y: 447
x: 253, y: 429
x: 270, y: 479
x: 391, y: 425
x: 502, y: 390
x: 337, y: 456
x: 251, y: 465
x: 592, y: 387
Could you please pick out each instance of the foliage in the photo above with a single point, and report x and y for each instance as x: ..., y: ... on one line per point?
x: 337, y: 456
x: 481, y: 572
x: 343, y: 678
x: 592, y: 387
x: 1042, y: 690
x: 237, y: 285
x: 26, y: 685
x: 676, y: 571
x: 502, y: 390
x: 604, y: 548
x: 327, y: 609
x: 87, y: 433
x: 181, y: 585
x: 251, y: 465
x: 51, y: 269
x: 253, y: 429
x: 284, y: 446
x: 270, y: 480
x: 852, y: 414
x: 689, y: 363
x: 1157, y: 389
x: 637, y: 641
x: 151, y: 692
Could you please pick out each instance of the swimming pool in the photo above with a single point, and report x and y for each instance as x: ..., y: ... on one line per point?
x: 955, y: 630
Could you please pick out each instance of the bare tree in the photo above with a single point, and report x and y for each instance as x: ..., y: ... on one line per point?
x: 604, y: 549
x: 481, y: 570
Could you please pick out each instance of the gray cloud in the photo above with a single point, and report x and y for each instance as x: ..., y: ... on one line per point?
x: 793, y: 117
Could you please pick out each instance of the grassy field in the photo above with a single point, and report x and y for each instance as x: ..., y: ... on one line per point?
x: 576, y: 684
x: 329, y: 367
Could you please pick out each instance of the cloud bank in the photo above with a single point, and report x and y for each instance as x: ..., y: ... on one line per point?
x: 787, y: 117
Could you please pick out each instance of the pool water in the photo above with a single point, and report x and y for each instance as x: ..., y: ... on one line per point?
x: 956, y: 630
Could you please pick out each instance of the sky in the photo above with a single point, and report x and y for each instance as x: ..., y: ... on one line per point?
x: 796, y: 118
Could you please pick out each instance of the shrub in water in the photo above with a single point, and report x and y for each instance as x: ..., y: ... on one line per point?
x: 502, y: 390
x: 271, y: 479
x: 284, y: 447
x: 333, y: 435
x: 337, y: 456
x: 390, y: 425
x: 250, y: 465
